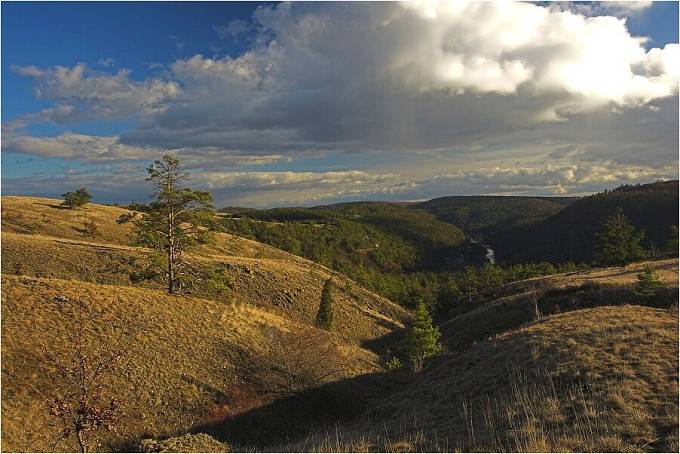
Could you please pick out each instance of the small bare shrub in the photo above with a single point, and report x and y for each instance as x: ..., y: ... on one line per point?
x: 82, y: 403
x: 534, y: 298
x: 90, y: 227
x: 243, y: 397
x: 289, y: 363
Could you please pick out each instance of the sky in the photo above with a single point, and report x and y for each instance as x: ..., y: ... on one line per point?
x: 281, y: 104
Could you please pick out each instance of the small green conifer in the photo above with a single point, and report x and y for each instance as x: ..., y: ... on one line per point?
x: 324, y: 318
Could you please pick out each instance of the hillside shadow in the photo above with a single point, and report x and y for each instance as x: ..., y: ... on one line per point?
x: 386, y: 346
x: 501, y: 316
x: 290, y: 419
x: 52, y: 205
x: 264, y: 423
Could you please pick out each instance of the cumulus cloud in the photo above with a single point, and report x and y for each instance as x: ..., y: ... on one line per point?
x: 348, y: 73
x: 234, y: 29
x: 83, y: 93
x: 77, y: 146
x: 575, y: 179
x: 444, y: 79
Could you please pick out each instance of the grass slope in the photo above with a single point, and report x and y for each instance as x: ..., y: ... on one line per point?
x: 601, y: 379
x: 256, y: 274
x: 177, y: 371
x: 515, y: 303
x: 178, y: 375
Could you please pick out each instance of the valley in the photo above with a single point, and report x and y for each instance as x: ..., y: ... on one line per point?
x: 532, y: 344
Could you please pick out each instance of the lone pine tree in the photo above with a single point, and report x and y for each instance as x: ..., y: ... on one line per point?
x: 78, y: 198
x: 422, y: 339
x: 172, y: 222
x: 619, y: 242
x: 324, y: 318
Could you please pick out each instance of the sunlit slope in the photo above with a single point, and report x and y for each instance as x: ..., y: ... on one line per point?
x: 178, y: 369
x: 516, y: 303
x: 44, y: 216
x: 253, y: 273
x: 175, y: 373
x: 602, y: 379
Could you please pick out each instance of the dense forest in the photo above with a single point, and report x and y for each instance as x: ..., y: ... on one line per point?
x: 405, y: 254
x: 571, y: 234
x: 390, y: 249
x: 488, y: 215
x: 423, y: 251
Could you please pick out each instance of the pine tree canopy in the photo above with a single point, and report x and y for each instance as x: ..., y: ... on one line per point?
x: 77, y: 198
x: 619, y: 242
x: 422, y: 339
x: 324, y: 318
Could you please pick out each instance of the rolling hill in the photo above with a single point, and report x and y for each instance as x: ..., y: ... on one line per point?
x: 383, y: 246
x: 559, y: 384
x: 570, y: 234
x: 178, y: 373
x: 488, y: 215
x: 567, y: 362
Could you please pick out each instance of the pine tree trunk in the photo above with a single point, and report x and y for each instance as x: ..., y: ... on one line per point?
x: 81, y: 441
x: 171, y: 255
x: 171, y: 245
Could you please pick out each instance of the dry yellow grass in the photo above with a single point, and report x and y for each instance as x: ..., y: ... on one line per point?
x: 667, y: 270
x: 595, y: 379
x: 258, y: 274
x: 176, y: 372
x: 45, y: 216
x: 603, y: 379
x: 561, y: 292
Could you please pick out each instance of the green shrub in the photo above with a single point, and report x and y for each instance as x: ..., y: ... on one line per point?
x: 422, y: 339
x: 648, y: 284
x: 394, y: 364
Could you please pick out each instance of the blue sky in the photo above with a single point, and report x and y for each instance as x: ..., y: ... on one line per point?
x: 278, y: 104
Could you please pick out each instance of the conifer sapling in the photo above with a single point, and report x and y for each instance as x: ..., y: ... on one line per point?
x: 324, y: 318
x: 422, y: 339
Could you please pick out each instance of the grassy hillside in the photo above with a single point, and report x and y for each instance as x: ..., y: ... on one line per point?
x: 183, y: 348
x: 486, y: 215
x: 177, y: 372
x: 253, y: 273
x: 515, y: 304
x: 567, y: 362
x: 570, y: 234
x: 558, y: 384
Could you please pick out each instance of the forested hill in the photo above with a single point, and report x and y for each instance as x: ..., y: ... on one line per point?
x: 488, y: 215
x: 571, y: 234
x: 382, y: 245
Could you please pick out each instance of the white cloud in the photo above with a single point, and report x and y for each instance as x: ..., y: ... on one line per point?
x: 85, y: 93
x: 77, y: 146
x: 547, y: 179
x: 87, y: 148
x: 234, y: 29
x: 402, y: 79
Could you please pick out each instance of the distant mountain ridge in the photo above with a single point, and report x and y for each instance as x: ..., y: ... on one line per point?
x: 570, y: 234
x: 485, y: 215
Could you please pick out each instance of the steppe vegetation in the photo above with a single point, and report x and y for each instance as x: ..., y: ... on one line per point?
x: 250, y: 347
